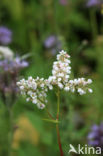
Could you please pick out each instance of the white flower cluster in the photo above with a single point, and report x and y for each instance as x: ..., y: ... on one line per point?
x: 6, y: 53
x: 80, y: 85
x: 35, y: 90
x: 61, y: 70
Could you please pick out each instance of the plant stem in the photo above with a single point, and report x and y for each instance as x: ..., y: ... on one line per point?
x: 56, y: 121
x: 50, y: 114
x: 59, y: 141
x: 57, y: 126
x: 10, y: 131
x: 53, y: 121
x: 58, y: 103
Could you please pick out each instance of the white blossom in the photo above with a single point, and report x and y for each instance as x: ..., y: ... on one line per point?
x: 6, y: 53
x: 80, y: 85
x: 90, y: 90
x: 61, y: 70
x: 35, y: 90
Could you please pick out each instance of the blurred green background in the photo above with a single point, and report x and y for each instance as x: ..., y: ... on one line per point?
x: 79, y: 30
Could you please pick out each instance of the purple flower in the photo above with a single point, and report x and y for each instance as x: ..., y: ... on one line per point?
x: 53, y: 44
x: 91, y: 3
x: 93, y: 143
x: 13, y: 65
x: 63, y: 2
x: 92, y: 135
x: 18, y: 63
x: 5, y: 36
x: 50, y: 41
x: 95, y: 137
x: 9, y: 74
x: 95, y: 128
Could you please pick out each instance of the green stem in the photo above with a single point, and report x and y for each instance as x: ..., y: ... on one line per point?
x: 56, y: 121
x: 10, y: 134
x: 58, y: 103
x: 59, y: 140
x: 49, y: 114
x: 57, y: 126
x: 53, y: 121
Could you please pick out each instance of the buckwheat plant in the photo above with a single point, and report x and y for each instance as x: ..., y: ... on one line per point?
x: 36, y: 90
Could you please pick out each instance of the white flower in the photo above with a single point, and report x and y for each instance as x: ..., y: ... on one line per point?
x: 61, y: 70
x: 40, y: 106
x: 60, y: 85
x: 67, y: 88
x: 89, y: 81
x: 90, y: 90
x: 27, y: 99
x: 80, y: 84
x: 6, y: 53
x: 35, y: 90
x: 21, y: 87
x: 81, y: 91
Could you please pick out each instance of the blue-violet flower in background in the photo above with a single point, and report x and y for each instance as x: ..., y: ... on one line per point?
x: 10, y: 67
x: 5, y: 35
x: 53, y: 43
x: 91, y: 3
x: 95, y: 137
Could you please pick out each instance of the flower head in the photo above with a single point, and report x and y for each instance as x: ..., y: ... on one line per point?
x: 80, y: 85
x: 5, y: 36
x: 91, y: 3
x: 6, y: 53
x: 35, y: 90
x: 53, y: 43
x: 95, y: 136
x: 10, y: 68
x: 13, y: 65
x: 10, y: 63
x: 61, y: 70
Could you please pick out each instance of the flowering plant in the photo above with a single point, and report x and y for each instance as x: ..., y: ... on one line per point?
x: 36, y: 90
x: 10, y: 67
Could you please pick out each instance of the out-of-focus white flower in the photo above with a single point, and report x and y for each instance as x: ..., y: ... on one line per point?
x: 80, y: 85
x: 6, y: 53
x: 61, y: 70
x: 90, y: 90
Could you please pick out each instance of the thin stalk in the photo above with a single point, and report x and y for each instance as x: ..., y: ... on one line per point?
x: 59, y: 140
x: 56, y: 121
x: 49, y: 114
x: 53, y: 121
x: 10, y: 133
x: 57, y: 126
x: 8, y: 115
x: 58, y: 103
